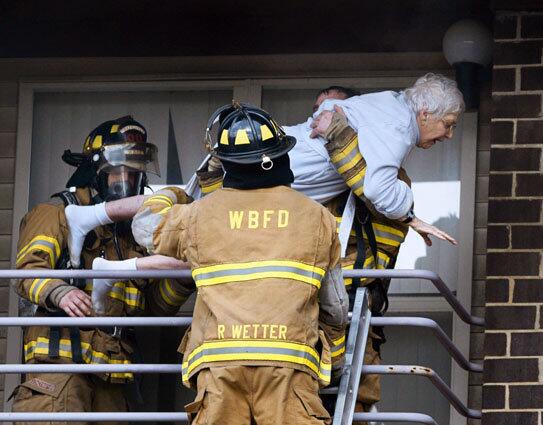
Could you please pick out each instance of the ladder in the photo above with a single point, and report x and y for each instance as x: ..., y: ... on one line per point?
x: 361, y: 320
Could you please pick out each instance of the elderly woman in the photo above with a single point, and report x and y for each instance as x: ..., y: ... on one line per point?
x: 389, y: 124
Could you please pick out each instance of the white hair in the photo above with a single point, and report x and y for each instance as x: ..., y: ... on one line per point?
x: 436, y: 94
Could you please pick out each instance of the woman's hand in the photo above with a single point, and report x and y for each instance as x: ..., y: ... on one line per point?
x: 425, y: 230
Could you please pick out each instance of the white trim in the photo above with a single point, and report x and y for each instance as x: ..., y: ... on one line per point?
x: 461, y: 331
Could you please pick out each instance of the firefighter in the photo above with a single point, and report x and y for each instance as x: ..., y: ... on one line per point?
x: 271, y: 310
x: 114, y: 164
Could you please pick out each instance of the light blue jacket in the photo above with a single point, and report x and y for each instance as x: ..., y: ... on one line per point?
x: 387, y: 131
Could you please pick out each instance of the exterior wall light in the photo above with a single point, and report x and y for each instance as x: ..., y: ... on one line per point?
x: 467, y: 46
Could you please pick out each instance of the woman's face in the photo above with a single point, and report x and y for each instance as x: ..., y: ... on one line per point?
x: 433, y: 129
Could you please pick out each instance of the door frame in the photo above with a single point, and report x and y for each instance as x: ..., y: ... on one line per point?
x: 250, y: 90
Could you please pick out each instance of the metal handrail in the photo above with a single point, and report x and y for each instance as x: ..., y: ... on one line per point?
x: 185, y: 274
x: 432, y: 376
x: 95, y: 417
x: 394, y: 417
x: 93, y: 322
x: 445, y: 341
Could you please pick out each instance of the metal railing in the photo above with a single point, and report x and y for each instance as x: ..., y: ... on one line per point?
x: 354, y: 368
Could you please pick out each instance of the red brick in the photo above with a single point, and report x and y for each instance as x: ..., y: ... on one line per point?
x: 515, y: 159
x: 495, y: 344
x: 497, y: 237
x: 530, y: 78
x: 517, y: 52
x: 493, y: 397
x: 525, y: 396
x: 511, y: 370
x: 528, y: 290
x: 509, y: 418
x: 526, y: 343
x: 505, y: 26
x: 510, y: 317
x: 529, y: 185
x: 516, y: 106
x: 514, y: 211
x: 529, y: 237
x: 497, y: 290
x: 532, y: 26
x: 501, y: 133
x: 503, y: 80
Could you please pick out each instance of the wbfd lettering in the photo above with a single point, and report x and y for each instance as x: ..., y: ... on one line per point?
x: 258, y: 219
x: 254, y: 330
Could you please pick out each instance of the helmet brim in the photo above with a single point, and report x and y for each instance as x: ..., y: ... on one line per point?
x: 285, y: 146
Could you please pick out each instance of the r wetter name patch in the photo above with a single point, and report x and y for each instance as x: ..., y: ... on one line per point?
x: 252, y: 331
x: 252, y: 219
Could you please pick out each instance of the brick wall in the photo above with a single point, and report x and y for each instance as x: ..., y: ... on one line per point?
x: 513, y: 351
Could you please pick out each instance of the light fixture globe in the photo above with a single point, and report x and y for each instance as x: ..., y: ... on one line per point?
x: 468, y: 41
x: 467, y: 46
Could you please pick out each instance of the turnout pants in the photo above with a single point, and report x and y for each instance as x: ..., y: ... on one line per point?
x: 261, y: 395
x: 51, y: 392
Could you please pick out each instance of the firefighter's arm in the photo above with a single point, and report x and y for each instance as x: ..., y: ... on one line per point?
x: 211, y: 176
x: 82, y: 219
x: 160, y: 228
x: 42, y: 237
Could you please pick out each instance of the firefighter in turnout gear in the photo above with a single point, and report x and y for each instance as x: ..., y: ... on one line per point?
x: 113, y: 165
x: 374, y: 240
x: 269, y: 321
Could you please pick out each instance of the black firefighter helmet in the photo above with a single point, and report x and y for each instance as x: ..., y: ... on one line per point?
x: 247, y: 135
x: 115, y: 159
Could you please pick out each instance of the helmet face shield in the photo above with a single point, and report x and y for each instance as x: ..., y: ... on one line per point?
x: 121, y: 182
x: 134, y: 156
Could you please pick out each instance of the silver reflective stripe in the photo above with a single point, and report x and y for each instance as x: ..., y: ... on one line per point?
x: 36, y: 288
x: 383, y: 234
x: 354, y: 152
x: 39, y: 242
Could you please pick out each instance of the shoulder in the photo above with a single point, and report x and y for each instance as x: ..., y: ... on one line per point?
x: 387, y: 105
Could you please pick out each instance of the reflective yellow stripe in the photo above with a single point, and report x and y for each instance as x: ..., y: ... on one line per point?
x: 35, y: 289
x: 47, y: 244
x: 235, y: 350
x: 338, y: 347
x: 129, y: 295
x: 242, y: 272
x: 90, y: 356
x: 356, y: 182
x: 388, y: 235
x: 348, y: 280
x: 353, y: 144
x: 349, y: 165
x: 212, y: 187
x: 162, y: 199
x: 169, y: 295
